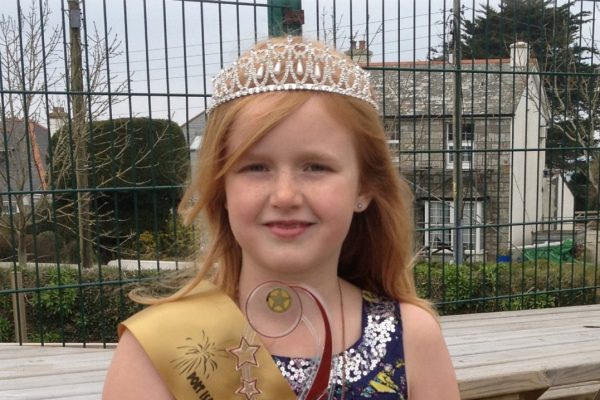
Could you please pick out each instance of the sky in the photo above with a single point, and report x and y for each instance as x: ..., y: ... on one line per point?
x: 170, y: 49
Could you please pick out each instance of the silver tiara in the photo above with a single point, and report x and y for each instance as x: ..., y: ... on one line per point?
x: 291, y: 65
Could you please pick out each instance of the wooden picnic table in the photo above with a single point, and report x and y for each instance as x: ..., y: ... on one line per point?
x: 501, y: 356
x: 520, y: 354
x: 35, y: 372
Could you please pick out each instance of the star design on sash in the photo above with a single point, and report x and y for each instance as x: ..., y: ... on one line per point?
x: 245, y: 353
x: 248, y: 389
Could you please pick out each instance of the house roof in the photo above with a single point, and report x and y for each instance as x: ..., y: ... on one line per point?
x: 24, y: 155
x: 201, y: 116
x: 425, y: 88
x: 193, y: 130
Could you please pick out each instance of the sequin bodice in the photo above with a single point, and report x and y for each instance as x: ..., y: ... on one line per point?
x: 374, y: 365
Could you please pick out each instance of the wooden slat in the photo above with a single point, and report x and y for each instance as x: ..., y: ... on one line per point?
x: 510, y: 352
x: 580, y: 391
x: 52, y: 372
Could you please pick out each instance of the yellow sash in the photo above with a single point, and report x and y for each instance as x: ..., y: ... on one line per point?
x: 204, y: 348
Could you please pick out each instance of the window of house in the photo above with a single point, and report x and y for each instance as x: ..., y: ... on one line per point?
x: 467, y: 140
x: 394, y: 145
x: 392, y: 130
x: 7, y: 206
x: 439, y: 221
x: 438, y: 217
x: 4, y: 154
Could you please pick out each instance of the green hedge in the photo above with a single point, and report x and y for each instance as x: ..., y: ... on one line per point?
x: 73, y: 306
x: 139, y: 165
x: 507, y: 286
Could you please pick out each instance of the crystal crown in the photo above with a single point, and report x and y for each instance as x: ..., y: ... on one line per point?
x: 291, y: 65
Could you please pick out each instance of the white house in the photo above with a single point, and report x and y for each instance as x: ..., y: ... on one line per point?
x: 507, y: 192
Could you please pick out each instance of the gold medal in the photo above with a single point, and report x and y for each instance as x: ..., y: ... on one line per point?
x: 279, y: 300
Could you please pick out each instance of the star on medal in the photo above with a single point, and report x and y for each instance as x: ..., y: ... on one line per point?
x: 245, y: 353
x: 248, y: 389
x: 279, y: 300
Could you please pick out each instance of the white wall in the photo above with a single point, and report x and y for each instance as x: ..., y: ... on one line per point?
x: 528, y: 167
x: 566, y: 204
x: 558, y: 204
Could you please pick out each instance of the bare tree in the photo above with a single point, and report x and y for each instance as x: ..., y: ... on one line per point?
x: 26, y: 46
x: 577, y: 105
x: 331, y: 33
x: 30, y: 63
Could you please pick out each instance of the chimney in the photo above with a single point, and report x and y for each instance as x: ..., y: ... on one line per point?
x: 56, y: 119
x: 360, y: 55
x: 519, y: 55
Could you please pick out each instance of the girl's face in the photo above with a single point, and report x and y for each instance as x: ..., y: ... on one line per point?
x: 291, y: 196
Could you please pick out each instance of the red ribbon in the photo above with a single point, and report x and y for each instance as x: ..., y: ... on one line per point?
x: 318, y: 389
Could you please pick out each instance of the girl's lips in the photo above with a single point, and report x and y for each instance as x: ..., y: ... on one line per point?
x: 287, y: 229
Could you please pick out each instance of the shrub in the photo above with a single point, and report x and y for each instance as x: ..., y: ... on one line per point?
x: 71, y: 305
x: 174, y: 242
x: 6, y: 252
x: 5, y: 330
x: 506, y: 286
x: 147, y: 160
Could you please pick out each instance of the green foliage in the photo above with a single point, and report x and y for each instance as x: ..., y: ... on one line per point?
x: 138, y: 152
x: 6, y: 317
x: 58, y: 300
x: 143, y: 163
x: 88, y: 312
x: 173, y: 242
x: 549, y: 29
x: 505, y: 286
x: 5, y: 330
x: 41, y: 248
x: 46, y: 337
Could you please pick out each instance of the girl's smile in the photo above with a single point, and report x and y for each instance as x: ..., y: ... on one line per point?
x: 288, y: 229
x: 292, y: 195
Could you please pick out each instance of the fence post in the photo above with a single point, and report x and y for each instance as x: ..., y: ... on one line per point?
x: 18, y: 302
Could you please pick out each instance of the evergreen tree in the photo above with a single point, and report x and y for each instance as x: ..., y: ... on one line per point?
x: 550, y: 30
x: 137, y: 171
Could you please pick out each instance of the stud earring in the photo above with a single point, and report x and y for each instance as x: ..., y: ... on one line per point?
x: 359, y: 206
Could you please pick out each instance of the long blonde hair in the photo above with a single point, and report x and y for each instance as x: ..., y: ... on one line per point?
x: 377, y: 254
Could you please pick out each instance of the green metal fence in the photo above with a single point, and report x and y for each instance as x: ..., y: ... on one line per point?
x: 102, y: 111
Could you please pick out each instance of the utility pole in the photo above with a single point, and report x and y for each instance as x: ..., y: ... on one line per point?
x: 457, y: 139
x: 79, y: 136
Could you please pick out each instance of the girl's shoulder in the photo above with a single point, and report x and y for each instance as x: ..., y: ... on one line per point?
x: 421, y: 327
x: 431, y: 374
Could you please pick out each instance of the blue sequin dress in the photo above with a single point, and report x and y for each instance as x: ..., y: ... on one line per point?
x: 374, y: 365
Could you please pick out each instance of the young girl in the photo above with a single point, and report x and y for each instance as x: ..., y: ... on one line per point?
x: 311, y: 292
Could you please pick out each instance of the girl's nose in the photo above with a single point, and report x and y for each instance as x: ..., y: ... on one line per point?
x: 286, y: 191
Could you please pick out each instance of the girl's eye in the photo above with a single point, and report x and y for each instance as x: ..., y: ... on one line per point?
x: 254, y: 168
x: 317, y: 167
